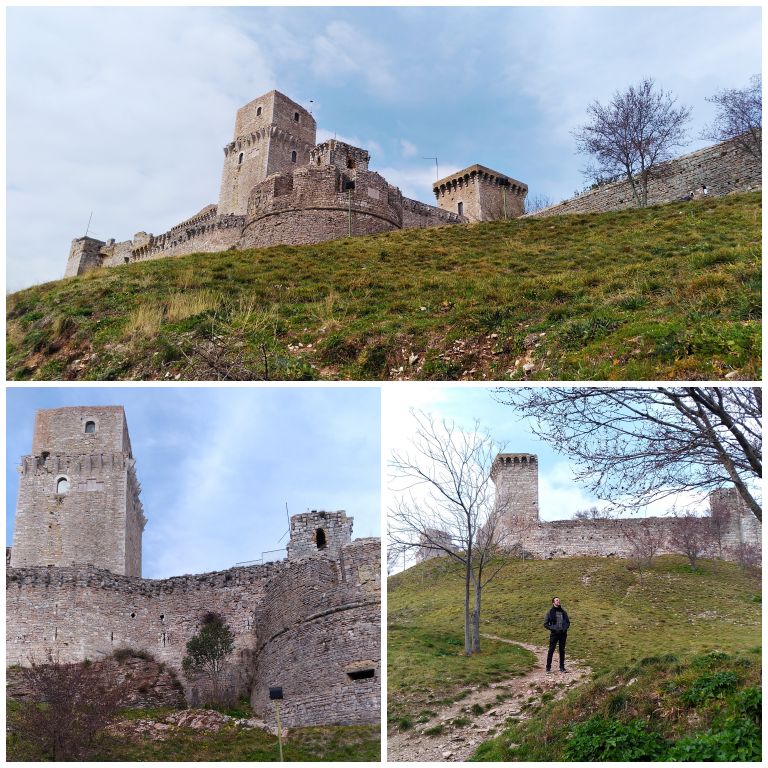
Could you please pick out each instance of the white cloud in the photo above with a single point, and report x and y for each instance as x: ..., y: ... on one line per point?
x: 415, y: 181
x: 118, y: 111
x: 323, y: 134
x: 407, y: 149
x: 344, y: 51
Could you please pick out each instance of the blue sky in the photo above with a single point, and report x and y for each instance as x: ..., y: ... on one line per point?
x: 123, y: 112
x: 218, y: 465
x: 560, y: 496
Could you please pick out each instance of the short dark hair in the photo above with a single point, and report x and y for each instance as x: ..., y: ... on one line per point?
x: 555, y: 598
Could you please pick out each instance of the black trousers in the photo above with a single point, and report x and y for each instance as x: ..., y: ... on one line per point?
x: 557, y: 639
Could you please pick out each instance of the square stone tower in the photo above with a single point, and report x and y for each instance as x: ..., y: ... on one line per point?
x: 78, y: 494
x: 481, y: 194
x: 314, y: 533
x: 516, y: 477
x: 273, y: 134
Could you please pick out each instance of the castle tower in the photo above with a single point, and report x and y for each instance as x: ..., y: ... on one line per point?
x: 78, y: 494
x: 272, y: 135
x: 480, y: 194
x: 516, y: 477
x: 319, y: 532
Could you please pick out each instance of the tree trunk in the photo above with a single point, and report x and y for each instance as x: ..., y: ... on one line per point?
x: 467, y: 634
x: 476, y: 619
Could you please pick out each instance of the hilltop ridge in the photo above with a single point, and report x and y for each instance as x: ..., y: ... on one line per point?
x: 665, y: 292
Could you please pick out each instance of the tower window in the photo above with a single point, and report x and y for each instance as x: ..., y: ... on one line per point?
x: 240, y: 159
x: 295, y: 117
x: 461, y: 209
x: 320, y: 538
x: 62, y: 486
x: 258, y: 111
x: 293, y: 156
x: 90, y: 427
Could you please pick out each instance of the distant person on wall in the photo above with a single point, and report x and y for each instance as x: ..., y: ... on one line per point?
x: 704, y: 190
x: 557, y: 622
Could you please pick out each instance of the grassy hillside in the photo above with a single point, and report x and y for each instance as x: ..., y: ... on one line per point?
x: 360, y: 743
x: 669, y: 292
x: 654, y: 631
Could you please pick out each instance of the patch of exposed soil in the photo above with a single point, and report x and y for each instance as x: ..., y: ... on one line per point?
x: 456, y: 732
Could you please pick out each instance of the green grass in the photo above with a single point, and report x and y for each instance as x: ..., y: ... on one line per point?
x: 616, y: 621
x: 646, y: 712
x: 327, y: 743
x: 668, y: 292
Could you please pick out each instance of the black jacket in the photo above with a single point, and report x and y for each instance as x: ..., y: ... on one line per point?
x: 550, y: 620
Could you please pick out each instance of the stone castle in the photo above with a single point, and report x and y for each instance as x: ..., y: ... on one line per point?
x: 516, y: 477
x: 279, y: 186
x: 309, y: 623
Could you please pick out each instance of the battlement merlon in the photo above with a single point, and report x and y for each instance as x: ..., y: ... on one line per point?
x: 480, y: 174
x: 508, y: 460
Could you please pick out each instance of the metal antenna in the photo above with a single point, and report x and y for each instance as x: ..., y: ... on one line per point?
x: 89, y: 225
x: 437, y: 167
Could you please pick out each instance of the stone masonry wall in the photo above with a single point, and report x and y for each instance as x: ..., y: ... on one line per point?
x: 319, y: 532
x: 304, y: 624
x: 267, y: 134
x: 724, y: 168
x: 318, y: 638
x: 484, y: 194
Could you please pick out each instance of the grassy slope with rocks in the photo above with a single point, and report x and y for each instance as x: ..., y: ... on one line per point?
x: 668, y: 292
x: 231, y: 743
x: 658, y: 633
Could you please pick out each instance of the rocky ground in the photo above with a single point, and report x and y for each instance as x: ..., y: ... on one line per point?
x: 454, y: 733
x: 166, y: 726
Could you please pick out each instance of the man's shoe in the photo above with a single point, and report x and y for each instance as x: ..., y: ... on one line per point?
x: 549, y: 671
x: 563, y: 669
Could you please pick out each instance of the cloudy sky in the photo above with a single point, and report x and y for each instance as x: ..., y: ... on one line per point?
x: 217, y: 466
x: 560, y: 496
x: 123, y: 112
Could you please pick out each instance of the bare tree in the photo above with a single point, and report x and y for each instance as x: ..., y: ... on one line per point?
x: 636, y: 445
x: 592, y: 513
x: 719, y: 521
x: 739, y: 117
x: 644, y: 538
x: 446, y: 503
x: 536, y: 203
x: 632, y: 134
x: 691, y: 536
x: 748, y: 555
x: 69, y: 706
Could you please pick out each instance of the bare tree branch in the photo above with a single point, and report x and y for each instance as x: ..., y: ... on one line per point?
x: 739, y: 117
x: 446, y: 504
x: 632, y: 135
x: 636, y: 445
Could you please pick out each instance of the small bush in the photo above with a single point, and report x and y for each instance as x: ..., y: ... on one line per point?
x: 435, y: 730
x: 121, y: 654
x: 598, y: 739
x: 713, y: 686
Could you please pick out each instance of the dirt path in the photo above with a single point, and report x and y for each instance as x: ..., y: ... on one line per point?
x: 456, y: 742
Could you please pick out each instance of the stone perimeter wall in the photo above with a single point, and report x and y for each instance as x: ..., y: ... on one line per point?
x: 85, y: 612
x: 724, y: 168
x: 608, y: 538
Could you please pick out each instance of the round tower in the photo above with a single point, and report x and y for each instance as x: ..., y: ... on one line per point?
x: 273, y: 134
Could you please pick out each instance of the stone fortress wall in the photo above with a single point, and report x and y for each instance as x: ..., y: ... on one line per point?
x: 724, y: 168
x: 516, y: 478
x: 279, y: 186
x: 310, y: 623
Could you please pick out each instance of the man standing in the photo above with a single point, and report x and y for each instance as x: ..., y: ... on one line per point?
x: 557, y: 622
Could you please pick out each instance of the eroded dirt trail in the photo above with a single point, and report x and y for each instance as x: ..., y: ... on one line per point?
x: 457, y: 741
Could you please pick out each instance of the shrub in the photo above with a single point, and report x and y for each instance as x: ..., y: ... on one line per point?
x: 711, y: 686
x: 599, y: 739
